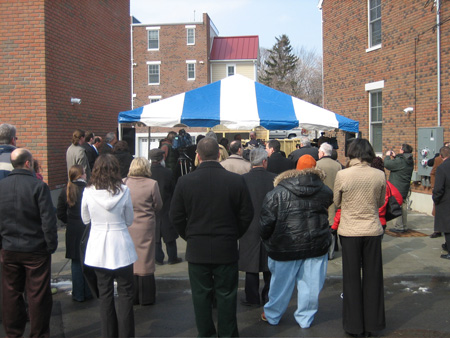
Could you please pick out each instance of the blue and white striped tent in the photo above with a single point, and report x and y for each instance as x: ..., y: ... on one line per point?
x: 239, y: 104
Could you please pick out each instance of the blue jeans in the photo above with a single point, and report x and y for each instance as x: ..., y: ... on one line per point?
x: 309, y: 275
x: 80, y: 288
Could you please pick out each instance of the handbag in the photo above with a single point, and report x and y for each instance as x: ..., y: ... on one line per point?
x: 88, y: 271
x: 393, y: 208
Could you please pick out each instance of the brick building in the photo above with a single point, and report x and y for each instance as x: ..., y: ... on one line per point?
x: 169, y: 59
x: 380, y: 66
x: 52, y: 51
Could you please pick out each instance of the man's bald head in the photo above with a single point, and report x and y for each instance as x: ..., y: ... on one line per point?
x: 21, y: 158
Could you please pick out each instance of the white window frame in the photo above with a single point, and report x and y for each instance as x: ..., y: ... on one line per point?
x: 154, y: 98
x: 370, y: 23
x: 372, y: 88
x: 152, y: 29
x: 191, y: 63
x: 154, y: 63
x: 188, y: 29
x: 230, y: 65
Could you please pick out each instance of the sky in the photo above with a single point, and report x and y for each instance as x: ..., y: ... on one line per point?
x: 300, y: 20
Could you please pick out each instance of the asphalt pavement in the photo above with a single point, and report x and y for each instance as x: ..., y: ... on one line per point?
x: 416, y: 296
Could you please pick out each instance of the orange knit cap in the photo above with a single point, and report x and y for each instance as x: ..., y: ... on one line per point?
x: 306, y: 162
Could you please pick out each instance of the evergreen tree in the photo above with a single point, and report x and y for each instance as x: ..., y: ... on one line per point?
x: 280, y: 66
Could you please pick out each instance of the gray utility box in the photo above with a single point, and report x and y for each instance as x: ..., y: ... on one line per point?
x: 429, y: 141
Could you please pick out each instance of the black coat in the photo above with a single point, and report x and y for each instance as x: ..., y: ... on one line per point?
x: 71, y: 216
x: 277, y: 163
x: 27, y: 215
x: 211, y: 209
x: 310, y: 150
x: 166, y: 183
x: 90, y: 153
x: 441, y: 197
x: 252, y: 254
x: 294, y: 217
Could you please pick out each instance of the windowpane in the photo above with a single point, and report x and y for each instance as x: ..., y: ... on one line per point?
x: 153, y: 39
x: 375, y: 22
x: 191, y: 36
x: 153, y: 74
x: 377, y: 137
x: 191, y: 71
x: 376, y: 120
x: 230, y: 71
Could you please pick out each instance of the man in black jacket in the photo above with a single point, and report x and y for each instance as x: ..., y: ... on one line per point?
x: 211, y: 209
x: 277, y: 162
x: 164, y: 228
x: 29, y: 237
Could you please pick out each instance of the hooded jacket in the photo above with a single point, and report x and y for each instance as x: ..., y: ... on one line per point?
x: 401, y: 168
x: 5, y: 160
x: 294, y: 217
x: 110, y: 245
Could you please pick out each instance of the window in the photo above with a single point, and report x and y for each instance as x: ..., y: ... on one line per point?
x: 190, y: 31
x: 153, y: 72
x: 374, y: 23
x: 153, y: 38
x: 154, y: 99
x: 376, y: 120
x: 191, y: 70
x: 231, y: 70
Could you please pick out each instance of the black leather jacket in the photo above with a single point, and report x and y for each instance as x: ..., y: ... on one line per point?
x: 294, y: 217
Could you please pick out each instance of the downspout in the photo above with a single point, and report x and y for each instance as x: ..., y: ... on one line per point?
x: 438, y: 42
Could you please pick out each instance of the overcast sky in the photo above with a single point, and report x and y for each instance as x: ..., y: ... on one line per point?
x: 301, y: 20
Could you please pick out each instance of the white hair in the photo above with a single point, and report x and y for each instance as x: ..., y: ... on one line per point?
x: 326, y: 148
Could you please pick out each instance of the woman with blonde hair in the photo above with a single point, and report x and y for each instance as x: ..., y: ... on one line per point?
x: 69, y: 212
x: 107, y: 205
x: 146, y: 203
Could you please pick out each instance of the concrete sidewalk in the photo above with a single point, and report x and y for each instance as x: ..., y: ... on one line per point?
x: 402, y: 256
x: 416, y: 297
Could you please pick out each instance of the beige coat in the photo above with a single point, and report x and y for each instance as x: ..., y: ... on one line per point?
x: 359, y: 191
x: 236, y: 164
x: 331, y: 168
x: 147, y: 201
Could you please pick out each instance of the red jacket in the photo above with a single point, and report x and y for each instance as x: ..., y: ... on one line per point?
x: 390, y: 191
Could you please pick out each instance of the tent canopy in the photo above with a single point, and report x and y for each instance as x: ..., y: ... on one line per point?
x: 240, y: 104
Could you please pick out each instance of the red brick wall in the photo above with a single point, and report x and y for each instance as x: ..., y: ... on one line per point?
x: 52, y: 51
x: 88, y: 57
x: 173, y: 53
x: 22, y: 73
x: 407, y: 37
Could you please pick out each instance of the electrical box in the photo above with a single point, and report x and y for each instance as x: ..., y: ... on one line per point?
x: 429, y: 141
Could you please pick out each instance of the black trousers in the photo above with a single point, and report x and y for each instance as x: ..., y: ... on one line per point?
x: 120, y: 323
x: 30, y: 273
x: 362, y: 267
x: 252, y: 287
x: 171, y: 248
x: 220, y: 280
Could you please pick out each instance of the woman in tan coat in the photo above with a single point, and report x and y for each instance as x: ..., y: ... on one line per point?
x: 147, y: 201
x: 360, y: 191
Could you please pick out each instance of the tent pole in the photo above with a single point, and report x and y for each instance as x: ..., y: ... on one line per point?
x: 148, y: 150
x: 119, y: 128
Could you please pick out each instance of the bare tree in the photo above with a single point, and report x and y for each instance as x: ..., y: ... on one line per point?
x: 305, y: 79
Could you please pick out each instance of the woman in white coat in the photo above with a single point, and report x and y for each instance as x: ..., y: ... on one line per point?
x: 110, y: 250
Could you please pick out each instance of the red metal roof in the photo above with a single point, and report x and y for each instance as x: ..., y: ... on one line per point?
x: 235, y: 48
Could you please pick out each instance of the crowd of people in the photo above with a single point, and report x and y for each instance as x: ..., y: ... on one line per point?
x: 239, y: 207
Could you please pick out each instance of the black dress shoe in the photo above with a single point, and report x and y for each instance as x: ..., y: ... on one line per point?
x: 176, y: 261
x: 159, y: 263
x: 447, y: 256
x: 435, y: 235
x: 245, y: 303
